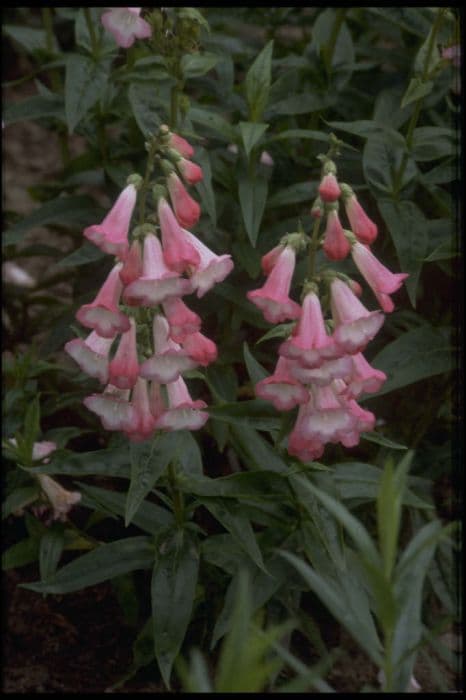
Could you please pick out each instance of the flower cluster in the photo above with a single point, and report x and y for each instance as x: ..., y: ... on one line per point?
x: 321, y: 367
x: 141, y: 302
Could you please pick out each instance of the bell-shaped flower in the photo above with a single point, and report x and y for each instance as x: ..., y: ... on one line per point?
x: 299, y: 443
x: 156, y: 401
x: 336, y: 246
x: 123, y: 370
x: 181, y: 319
x: 269, y: 259
x: 281, y: 388
x: 111, y: 235
x: 328, y: 416
x: 59, y: 498
x: 378, y: 277
x: 364, y: 378
x: 212, y: 268
x: 40, y: 450
x: 354, y: 324
x: 363, y: 228
x: 91, y: 355
x: 144, y: 424
x: 364, y: 421
x: 200, y: 348
x: 187, y: 210
x: 125, y: 24
x: 180, y: 144
x: 339, y: 368
x: 157, y: 281
x: 273, y: 298
x: 113, y: 408
x: 183, y: 413
x: 329, y: 189
x: 178, y: 252
x: 132, y: 264
x: 103, y: 314
x: 190, y: 172
x: 169, y: 360
x: 309, y: 343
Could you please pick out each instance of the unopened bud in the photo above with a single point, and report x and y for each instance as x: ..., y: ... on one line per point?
x: 346, y: 190
x: 134, y: 179
x: 166, y: 166
x: 317, y: 208
x: 159, y: 191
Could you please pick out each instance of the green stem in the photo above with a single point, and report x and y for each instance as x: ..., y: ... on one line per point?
x: 177, y: 496
x: 145, y: 182
x: 330, y: 47
x: 174, y: 106
x: 313, y: 248
x: 93, y: 36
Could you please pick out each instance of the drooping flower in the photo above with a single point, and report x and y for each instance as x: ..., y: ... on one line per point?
x: 354, y: 324
x: 212, y: 268
x: 40, y: 450
x: 91, y: 355
x: 364, y: 378
x: 187, y: 210
x: 182, y: 413
x: 111, y: 235
x: 180, y: 144
x: 190, y: 172
x: 123, y: 370
x: 113, y: 408
x: 273, y: 298
x: 144, y: 424
x: 14, y: 274
x: 181, y: 319
x: 60, y: 499
x: 336, y: 246
x: 281, y: 388
x: 157, y: 281
x: 179, y: 254
x: 132, y: 264
x: 125, y: 24
x: 269, y: 259
x: 362, y: 226
x: 378, y: 277
x: 200, y: 348
x: 103, y: 314
x: 169, y: 360
x: 329, y: 189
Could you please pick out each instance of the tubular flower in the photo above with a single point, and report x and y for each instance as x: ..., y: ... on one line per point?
x: 212, y: 268
x: 186, y: 209
x: 179, y: 254
x: 378, y: 277
x: 363, y: 228
x: 125, y: 24
x: 169, y: 360
x: 180, y: 144
x: 329, y: 189
x: 273, y: 298
x: 181, y: 319
x: 144, y: 423
x: 336, y: 246
x: 339, y: 368
x: 124, y: 368
x: 182, y: 413
x: 281, y: 388
x: 355, y: 325
x: 200, y: 348
x: 103, y: 314
x: 132, y: 264
x: 364, y: 378
x: 113, y: 408
x: 91, y: 355
x: 157, y: 281
x: 269, y: 259
x: 309, y: 343
x: 190, y: 172
x: 60, y: 499
x: 111, y: 235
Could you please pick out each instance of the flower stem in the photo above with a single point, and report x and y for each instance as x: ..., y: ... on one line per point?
x: 313, y: 248
x: 92, y: 34
x: 174, y: 106
x: 177, y: 496
x: 145, y: 182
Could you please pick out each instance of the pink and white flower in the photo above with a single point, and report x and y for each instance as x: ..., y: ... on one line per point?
x: 309, y: 343
x: 59, y: 498
x: 178, y: 252
x: 113, y: 408
x: 354, y: 324
x: 200, y: 348
x: 186, y: 209
x: 336, y: 246
x: 183, y: 413
x: 132, y: 264
x: 362, y: 226
x: 169, y: 360
x: 329, y: 189
x: 273, y: 298
x: 181, y: 319
x: 281, y: 388
x: 103, y: 314
x: 378, y: 277
x: 144, y: 424
x: 339, y: 368
x: 124, y: 368
x: 190, y: 172
x: 269, y: 259
x: 111, y: 235
x: 125, y: 24
x: 212, y: 268
x: 91, y: 355
x: 364, y: 378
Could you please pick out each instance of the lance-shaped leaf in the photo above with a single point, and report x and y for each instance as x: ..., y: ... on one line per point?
x: 85, y: 83
x: 258, y: 80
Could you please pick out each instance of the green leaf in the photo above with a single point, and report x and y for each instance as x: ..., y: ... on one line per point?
x: 251, y: 133
x: 252, y: 196
x: 444, y: 251
x: 85, y: 83
x: 302, y: 134
x: 195, y: 65
x: 255, y: 370
x: 112, y: 462
x: 173, y: 586
x: 36, y: 107
x: 416, y: 89
x: 254, y: 412
x: 20, y: 554
x: 18, y: 499
x: 408, y: 229
x: 146, y: 103
x: 303, y: 103
x: 257, y: 82
x: 428, y: 50
x: 82, y: 256
x: 256, y: 452
x: 71, y: 212
x: 417, y: 354
x: 50, y: 551
x: 149, y: 459
x: 382, y: 157
x: 205, y: 189
x: 244, y: 486
x: 103, y: 563
x: 214, y: 122
x: 29, y: 38
x: 282, y: 330
x: 32, y: 423
x: 433, y: 142
x: 299, y: 192
x: 382, y: 440
x: 360, y: 127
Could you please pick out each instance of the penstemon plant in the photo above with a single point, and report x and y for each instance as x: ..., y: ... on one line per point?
x: 238, y: 484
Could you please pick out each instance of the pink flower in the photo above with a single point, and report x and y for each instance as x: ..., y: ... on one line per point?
x: 328, y: 417
x: 355, y: 325
x: 179, y: 254
x: 339, y: 368
x: 190, y: 172
x: 40, y: 450
x: 273, y: 298
x: 111, y: 235
x: 379, y: 278
x: 269, y: 259
x: 364, y: 422
x: 212, y: 268
x: 125, y: 25
x: 363, y: 228
x: 113, y: 408
x: 186, y: 209
x: 169, y: 359
x: 124, y: 368
x: 200, y: 348
x: 336, y: 246
x: 59, y: 498
x: 281, y: 388
x: 103, y: 314
x: 183, y: 413
x: 329, y: 189
x: 144, y: 424
x: 365, y: 378
x: 180, y: 144
x: 156, y: 402
x: 132, y: 264
x: 309, y: 344
x: 299, y: 443
x: 182, y: 320
x: 453, y: 54
x: 157, y: 282
x: 91, y: 355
